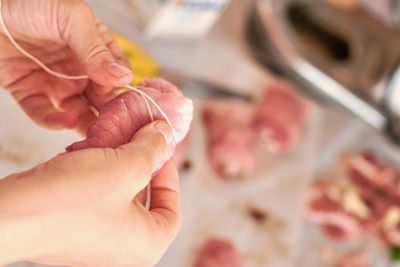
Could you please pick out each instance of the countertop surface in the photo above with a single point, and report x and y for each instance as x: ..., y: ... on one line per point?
x: 222, y: 58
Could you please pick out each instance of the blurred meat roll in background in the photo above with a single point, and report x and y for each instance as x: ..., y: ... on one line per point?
x: 230, y: 140
x: 234, y: 129
x: 279, y: 118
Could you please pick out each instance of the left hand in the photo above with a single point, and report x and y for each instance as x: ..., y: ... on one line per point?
x: 66, y: 37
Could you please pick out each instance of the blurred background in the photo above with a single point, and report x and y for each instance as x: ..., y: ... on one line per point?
x: 293, y: 157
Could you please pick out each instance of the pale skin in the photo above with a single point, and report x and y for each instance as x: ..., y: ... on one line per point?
x: 84, y: 208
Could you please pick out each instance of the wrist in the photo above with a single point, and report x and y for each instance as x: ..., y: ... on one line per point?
x: 20, y: 232
x: 15, y: 243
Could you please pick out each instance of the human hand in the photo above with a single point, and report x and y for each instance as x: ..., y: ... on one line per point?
x: 65, y: 36
x: 86, y: 208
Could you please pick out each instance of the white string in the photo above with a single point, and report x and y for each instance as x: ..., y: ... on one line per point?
x: 146, y: 97
x: 148, y: 107
x: 155, y: 105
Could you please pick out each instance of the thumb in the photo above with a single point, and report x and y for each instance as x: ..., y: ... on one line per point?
x: 78, y: 28
x: 149, y: 150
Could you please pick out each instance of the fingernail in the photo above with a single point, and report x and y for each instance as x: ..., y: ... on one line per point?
x: 166, y: 131
x: 163, y: 160
x: 118, y: 70
x: 121, y: 91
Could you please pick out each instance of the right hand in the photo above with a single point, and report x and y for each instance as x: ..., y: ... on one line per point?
x: 86, y: 208
x: 66, y: 37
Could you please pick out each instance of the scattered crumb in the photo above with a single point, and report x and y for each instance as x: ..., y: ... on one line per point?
x: 274, y: 228
x: 258, y: 215
x: 187, y: 166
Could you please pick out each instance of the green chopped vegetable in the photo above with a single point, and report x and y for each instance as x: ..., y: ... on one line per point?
x: 380, y: 193
x: 395, y: 254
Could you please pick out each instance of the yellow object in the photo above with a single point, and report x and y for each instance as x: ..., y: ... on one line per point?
x: 352, y: 200
x: 392, y: 218
x: 344, y: 4
x: 143, y: 65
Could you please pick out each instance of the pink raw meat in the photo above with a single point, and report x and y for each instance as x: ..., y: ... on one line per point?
x: 122, y: 117
x: 391, y: 236
x: 324, y: 207
x: 376, y: 185
x: 280, y: 117
x: 231, y: 146
x: 367, y: 171
x: 219, y: 253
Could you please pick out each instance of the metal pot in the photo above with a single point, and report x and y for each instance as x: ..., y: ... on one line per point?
x: 347, y: 55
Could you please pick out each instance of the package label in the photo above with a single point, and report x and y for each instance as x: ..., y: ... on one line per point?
x: 186, y: 18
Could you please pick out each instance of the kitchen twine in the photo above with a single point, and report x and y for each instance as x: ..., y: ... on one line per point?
x: 146, y: 97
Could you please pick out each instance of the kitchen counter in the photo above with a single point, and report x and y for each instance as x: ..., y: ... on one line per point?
x: 222, y: 54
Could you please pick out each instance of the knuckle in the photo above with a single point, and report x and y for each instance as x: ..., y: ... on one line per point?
x: 101, y: 27
x: 95, y: 51
x: 150, y: 150
x: 81, y: 9
x: 73, y: 14
x: 160, y: 143
x: 108, y: 154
